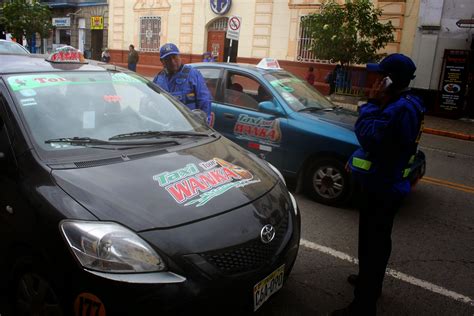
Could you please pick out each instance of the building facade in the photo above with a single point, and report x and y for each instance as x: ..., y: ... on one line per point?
x: 270, y: 28
x: 79, y: 23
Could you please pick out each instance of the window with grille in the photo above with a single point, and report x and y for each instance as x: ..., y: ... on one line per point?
x: 219, y: 25
x: 304, y: 54
x: 150, y: 28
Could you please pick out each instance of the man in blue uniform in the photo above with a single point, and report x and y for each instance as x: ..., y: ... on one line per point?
x: 388, y: 129
x: 182, y: 81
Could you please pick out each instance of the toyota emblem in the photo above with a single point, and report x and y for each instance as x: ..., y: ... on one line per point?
x: 267, y: 233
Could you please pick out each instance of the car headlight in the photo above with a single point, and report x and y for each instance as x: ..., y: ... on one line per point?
x: 110, y: 247
x: 293, y: 202
x: 277, y: 172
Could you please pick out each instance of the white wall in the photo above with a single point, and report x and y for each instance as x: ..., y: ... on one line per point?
x: 430, y: 45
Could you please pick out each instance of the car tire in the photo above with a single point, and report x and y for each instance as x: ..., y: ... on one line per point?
x: 327, y: 181
x: 34, y: 295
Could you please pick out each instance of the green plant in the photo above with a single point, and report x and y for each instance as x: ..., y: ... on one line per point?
x: 22, y: 18
x: 350, y: 33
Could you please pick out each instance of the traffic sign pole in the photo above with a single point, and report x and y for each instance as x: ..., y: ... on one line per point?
x: 230, y: 51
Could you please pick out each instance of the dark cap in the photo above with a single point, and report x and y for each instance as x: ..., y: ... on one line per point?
x: 398, y: 66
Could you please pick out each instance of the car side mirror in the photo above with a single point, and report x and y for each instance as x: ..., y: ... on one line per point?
x: 270, y: 108
x: 200, y: 115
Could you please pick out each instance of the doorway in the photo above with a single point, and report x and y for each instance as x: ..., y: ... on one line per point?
x: 97, y: 42
x: 217, y: 44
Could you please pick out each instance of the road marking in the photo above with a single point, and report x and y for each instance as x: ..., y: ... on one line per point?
x: 448, y: 184
x: 393, y: 273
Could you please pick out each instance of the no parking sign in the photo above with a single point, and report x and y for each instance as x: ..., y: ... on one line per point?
x: 233, y: 28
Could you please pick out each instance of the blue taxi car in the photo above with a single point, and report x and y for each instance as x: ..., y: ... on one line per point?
x: 284, y: 120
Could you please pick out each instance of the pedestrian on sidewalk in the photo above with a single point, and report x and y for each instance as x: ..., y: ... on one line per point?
x: 132, y: 58
x: 105, y: 55
x: 183, y: 81
x: 310, y: 77
x: 331, y: 79
x: 388, y: 129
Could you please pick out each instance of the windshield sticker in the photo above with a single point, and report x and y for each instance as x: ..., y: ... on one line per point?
x: 256, y: 128
x: 28, y: 102
x: 112, y: 98
x: 28, y: 93
x: 88, y: 119
x: 18, y: 83
x: 191, y: 186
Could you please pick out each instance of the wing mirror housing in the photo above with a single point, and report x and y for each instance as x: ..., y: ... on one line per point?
x: 270, y: 108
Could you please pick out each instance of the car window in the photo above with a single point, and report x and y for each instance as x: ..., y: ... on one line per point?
x: 297, y: 93
x: 244, y: 91
x: 95, y: 105
x: 211, y: 76
x: 12, y: 48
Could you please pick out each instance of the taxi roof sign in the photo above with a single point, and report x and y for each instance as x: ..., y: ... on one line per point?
x: 67, y: 55
x: 269, y: 63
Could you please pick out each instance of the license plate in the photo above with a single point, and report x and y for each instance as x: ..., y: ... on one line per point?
x: 267, y: 287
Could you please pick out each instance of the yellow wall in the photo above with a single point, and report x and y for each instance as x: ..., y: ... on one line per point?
x: 269, y: 27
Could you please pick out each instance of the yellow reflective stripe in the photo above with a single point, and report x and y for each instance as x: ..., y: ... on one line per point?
x: 406, y: 172
x: 412, y: 160
x: 361, y: 163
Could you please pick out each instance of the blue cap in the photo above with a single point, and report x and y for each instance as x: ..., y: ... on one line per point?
x: 398, y: 66
x: 168, y: 49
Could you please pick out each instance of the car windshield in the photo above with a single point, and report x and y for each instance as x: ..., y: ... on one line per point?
x: 12, y: 48
x: 86, y: 108
x: 297, y: 93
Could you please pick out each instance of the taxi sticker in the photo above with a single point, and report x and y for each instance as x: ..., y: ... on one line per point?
x: 26, y: 82
x: 191, y: 186
x: 87, y: 304
x: 28, y: 102
x: 256, y: 128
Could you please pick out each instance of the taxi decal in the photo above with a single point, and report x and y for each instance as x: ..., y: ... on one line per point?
x: 256, y: 128
x: 27, y: 82
x: 190, y: 185
x: 87, y: 304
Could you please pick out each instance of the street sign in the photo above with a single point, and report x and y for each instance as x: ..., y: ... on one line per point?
x: 233, y: 28
x: 97, y: 22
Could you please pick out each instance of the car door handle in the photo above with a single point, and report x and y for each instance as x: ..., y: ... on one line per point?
x: 229, y: 116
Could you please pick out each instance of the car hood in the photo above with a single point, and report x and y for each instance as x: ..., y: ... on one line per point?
x: 170, y: 189
x: 339, y: 117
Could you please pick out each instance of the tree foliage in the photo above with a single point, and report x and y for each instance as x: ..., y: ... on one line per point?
x: 20, y: 17
x: 350, y: 33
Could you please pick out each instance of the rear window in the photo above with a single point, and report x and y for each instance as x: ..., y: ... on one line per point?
x: 12, y: 48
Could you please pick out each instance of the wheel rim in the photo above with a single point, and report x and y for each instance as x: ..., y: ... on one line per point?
x: 36, y: 297
x: 328, y: 182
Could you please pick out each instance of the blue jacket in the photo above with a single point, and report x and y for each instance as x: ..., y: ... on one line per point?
x: 188, y: 86
x: 389, y: 139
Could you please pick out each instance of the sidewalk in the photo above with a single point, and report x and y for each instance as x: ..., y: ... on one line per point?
x: 460, y: 129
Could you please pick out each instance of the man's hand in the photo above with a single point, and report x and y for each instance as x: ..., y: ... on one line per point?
x: 377, y: 91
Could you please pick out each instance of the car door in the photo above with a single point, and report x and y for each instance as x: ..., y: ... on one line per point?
x: 239, y: 118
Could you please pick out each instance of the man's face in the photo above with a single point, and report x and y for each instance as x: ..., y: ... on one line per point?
x: 172, y: 63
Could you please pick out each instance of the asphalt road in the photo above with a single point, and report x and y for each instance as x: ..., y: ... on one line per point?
x: 432, y: 262
x: 433, y: 241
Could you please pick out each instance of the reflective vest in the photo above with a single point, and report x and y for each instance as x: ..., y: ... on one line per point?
x: 361, y: 163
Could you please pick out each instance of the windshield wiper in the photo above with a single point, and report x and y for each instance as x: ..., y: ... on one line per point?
x: 85, y: 141
x: 314, y: 109
x: 153, y: 134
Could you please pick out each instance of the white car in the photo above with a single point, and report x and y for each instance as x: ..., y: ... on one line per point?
x: 9, y: 47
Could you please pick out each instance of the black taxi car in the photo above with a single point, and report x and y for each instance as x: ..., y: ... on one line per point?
x: 117, y: 199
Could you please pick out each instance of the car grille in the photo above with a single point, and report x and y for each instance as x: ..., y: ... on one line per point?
x: 249, y: 256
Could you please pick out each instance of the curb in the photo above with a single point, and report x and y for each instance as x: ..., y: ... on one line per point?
x: 448, y: 134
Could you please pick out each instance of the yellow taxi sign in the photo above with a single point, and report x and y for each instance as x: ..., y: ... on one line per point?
x: 67, y: 54
x: 269, y: 63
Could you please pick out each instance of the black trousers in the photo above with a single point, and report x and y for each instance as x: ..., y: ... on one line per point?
x: 377, y: 212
